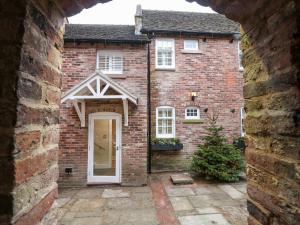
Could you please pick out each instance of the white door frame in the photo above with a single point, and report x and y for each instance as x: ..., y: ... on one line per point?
x: 91, y: 179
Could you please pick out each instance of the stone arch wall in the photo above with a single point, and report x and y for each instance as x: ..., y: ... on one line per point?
x: 30, y: 63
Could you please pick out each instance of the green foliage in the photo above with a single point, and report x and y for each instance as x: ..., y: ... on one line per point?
x: 162, y: 141
x: 239, y: 142
x: 215, y: 158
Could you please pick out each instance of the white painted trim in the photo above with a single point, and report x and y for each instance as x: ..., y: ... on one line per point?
x: 173, y: 135
x: 241, y: 68
x: 80, y: 111
x: 192, y: 117
x: 173, y: 54
x: 243, y: 116
x: 99, y: 78
x: 125, y: 108
x: 91, y: 179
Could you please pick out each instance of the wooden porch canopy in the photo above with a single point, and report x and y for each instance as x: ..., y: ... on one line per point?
x: 98, y: 86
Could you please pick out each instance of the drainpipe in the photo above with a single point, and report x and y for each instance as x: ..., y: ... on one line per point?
x: 149, y: 110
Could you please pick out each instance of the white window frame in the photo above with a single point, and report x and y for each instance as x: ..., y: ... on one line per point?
x: 192, y: 117
x: 173, y: 54
x: 240, y: 53
x: 190, y: 49
x: 243, y: 116
x: 110, y: 53
x: 173, y: 122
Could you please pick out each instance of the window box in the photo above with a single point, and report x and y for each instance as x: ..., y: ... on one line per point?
x: 167, y: 147
x: 166, y: 144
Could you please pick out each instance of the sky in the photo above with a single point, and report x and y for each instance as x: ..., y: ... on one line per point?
x: 122, y: 11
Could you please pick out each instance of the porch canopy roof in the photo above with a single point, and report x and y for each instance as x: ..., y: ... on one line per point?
x: 96, y: 87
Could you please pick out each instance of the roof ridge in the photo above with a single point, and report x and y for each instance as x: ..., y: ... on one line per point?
x: 86, y: 24
x: 175, y: 11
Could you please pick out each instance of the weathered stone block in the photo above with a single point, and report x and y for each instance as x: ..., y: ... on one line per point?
x: 259, y: 213
x: 29, y: 89
x: 27, y: 141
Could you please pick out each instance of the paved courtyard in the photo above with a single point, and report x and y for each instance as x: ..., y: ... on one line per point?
x: 160, y: 202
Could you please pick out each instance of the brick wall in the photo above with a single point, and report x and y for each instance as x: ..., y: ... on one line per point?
x: 79, y: 61
x: 214, y: 75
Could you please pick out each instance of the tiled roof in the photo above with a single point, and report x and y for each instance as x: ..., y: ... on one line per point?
x: 102, y: 33
x: 187, y: 22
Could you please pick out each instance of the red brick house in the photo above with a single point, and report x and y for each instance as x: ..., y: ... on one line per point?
x: 125, y: 85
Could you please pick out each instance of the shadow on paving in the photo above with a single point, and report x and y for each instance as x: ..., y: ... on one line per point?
x: 160, y: 202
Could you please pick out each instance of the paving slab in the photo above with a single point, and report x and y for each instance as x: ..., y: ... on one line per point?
x: 87, y: 205
x: 207, y: 210
x: 231, y: 191
x: 201, y: 201
x: 89, y: 193
x: 114, y: 193
x: 203, y: 190
x: 209, y: 219
x: 235, y: 215
x: 182, y: 179
x: 181, y: 203
x: 241, y: 187
x: 128, y: 203
x: 178, y: 192
x: 84, y: 221
x: 130, y: 217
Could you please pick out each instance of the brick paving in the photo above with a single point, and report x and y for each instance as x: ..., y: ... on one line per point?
x: 163, y: 203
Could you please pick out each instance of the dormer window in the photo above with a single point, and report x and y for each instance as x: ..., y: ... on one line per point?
x: 191, y: 45
x: 110, y: 62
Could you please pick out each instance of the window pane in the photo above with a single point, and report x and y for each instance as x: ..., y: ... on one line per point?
x: 110, y: 62
x: 191, y: 44
x: 160, y: 113
x: 164, y: 53
x: 160, y: 130
x: 192, y: 112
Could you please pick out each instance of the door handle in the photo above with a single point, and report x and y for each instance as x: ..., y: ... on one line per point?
x: 117, y: 148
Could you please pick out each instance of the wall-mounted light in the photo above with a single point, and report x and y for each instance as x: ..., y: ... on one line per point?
x: 232, y: 110
x: 205, y: 110
x: 193, y: 95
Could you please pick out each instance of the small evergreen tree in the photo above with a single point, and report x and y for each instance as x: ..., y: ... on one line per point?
x: 215, y: 158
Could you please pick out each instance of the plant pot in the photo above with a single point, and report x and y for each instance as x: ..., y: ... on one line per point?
x: 167, y: 147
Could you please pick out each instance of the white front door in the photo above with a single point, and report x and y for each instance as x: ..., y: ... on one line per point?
x: 104, y: 148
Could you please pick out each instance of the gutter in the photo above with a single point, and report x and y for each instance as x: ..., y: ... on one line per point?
x: 149, y: 126
x: 178, y: 32
x: 87, y: 40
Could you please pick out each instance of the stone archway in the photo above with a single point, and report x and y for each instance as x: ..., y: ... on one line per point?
x: 31, y: 46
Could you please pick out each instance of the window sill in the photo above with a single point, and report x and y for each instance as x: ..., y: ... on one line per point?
x: 191, y: 52
x: 165, y: 69
x: 192, y: 121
